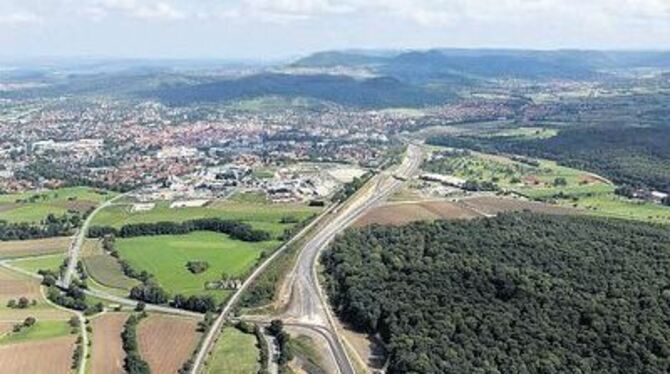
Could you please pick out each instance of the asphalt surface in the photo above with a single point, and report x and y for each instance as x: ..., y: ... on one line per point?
x: 308, y: 306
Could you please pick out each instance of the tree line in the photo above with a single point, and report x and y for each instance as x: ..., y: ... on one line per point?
x: 516, y: 293
x: 633, y: 156
x: 235, y: 229
x: 50, y: 226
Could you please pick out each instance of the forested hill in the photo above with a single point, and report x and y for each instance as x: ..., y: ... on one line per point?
x: 519, y: 293
x: 376, y: 92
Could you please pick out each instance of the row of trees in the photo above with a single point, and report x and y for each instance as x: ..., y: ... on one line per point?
x: 50, y: 227
x: 516, y: 293
x: 235, y: 229
x: 133, y: 363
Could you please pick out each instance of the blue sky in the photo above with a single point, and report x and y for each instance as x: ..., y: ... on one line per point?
x: 269, y: 29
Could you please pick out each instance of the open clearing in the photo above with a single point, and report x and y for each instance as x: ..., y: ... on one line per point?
x: 35, y: 206
x: 402, y: 213
x: 38, y: 357
x: 107, y: 353
x: 36, y: 247
x: 166, y: 342
x: 165, y: 256
x: 260, y: 215
x: 234, y: 353
x: 396, y: 214
x: 494, y: 205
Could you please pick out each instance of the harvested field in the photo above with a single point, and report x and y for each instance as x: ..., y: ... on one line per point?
x: 166, y: 342
x: 401, y: 213
x: 107, y: 356
x: 13, y: 286
x: 36, y: 247
x: 106, y: 270
x: 493, y: 205
x: 37, y: 357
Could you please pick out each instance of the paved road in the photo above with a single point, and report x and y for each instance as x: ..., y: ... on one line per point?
x: 80, y: 235
x: 307, y: 306
x: 214, y: 330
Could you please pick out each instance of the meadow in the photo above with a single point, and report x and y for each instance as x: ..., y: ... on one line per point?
x: 234, y: 353
x: 35, y: 206
x: 578, y: 189
x: 261, y: 216
x: 166, y: 256
x: 39, y: 331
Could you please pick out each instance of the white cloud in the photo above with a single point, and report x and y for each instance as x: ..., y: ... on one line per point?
x: 148, y: 10
x: 19, y: 18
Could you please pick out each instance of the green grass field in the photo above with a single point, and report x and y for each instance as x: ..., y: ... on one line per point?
x: 260, y: 215
x: 51, y: 262
x: 35, y: 206
x: 165, y: 256
x: 39, y: 331
x: 234, y: 353
x: 611, y: 205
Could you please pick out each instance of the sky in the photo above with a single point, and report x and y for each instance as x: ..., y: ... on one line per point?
x: 279, y: 29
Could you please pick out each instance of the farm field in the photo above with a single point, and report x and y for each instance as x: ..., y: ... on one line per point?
x: 34, y: 264
x: 234, y: 353
x: 492, y: 205
x: 38, y: 357
x: 39, y: 331
x: 14, y: 285
x: 103, y: 268
x: 397, y: 214
x: 166, y: 342
x: 107, y: 352
x: 36, y: 247
x: 260, y: 215
x: 614, y: 206
x: 35, y: 206
x: 165, y: 256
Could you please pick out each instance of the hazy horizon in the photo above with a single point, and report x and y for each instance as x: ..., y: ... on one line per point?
x: 253, y: 30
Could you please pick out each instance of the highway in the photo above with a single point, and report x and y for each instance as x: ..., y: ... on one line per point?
x: 214, y: 330
x: 308, y: 305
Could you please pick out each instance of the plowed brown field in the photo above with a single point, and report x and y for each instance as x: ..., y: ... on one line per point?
x: 38, y: 357
x: 166, y: 342
x: 401, y: 213
x: 107, y: 356
x: 21, y: 248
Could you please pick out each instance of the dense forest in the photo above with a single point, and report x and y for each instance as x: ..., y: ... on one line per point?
x: 638, y: 157
x: 236, y: 230
x: 518, y: 293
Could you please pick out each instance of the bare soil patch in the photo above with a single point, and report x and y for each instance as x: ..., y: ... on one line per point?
x: 107, y: 354
x: 13, y: 286
x: 402, y: 213
x: 36, y: 247
x: 166, y: 342
x: 38, y: 357
x: 494, y: 205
